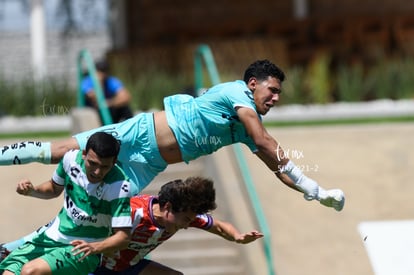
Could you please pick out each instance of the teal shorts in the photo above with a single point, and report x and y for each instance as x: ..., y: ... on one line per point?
x: 139, y: 156
x: 59, y: 258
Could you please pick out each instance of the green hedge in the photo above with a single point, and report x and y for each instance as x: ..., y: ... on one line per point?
x: 317, y: 83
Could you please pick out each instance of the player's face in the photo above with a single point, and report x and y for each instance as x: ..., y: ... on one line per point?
x: 266, y: 93
x: 96, y: 167
x: 175, y: 221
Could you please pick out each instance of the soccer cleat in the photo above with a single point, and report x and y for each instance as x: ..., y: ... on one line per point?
x: 3, y: 252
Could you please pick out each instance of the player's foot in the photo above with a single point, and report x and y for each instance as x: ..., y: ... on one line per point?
x: 3, y: 252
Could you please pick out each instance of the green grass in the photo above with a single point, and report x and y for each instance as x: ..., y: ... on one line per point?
x: 62, y: 134
x: 340, y: 121
x: 35, y: 135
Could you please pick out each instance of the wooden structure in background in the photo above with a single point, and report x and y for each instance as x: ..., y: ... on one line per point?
x: 161, y: 31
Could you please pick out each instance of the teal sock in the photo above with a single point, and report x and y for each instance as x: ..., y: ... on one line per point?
x: 10, y: 246
x: 13, y: 245
x: 25, y: 152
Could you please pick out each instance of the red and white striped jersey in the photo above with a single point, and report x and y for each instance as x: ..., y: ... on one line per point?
x: 146, y: 233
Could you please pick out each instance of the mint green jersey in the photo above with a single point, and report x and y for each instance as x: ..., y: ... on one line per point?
x: 206, y: 123
x: 90, y: 210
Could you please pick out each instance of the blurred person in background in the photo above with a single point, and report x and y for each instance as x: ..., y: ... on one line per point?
x: 117, y: 96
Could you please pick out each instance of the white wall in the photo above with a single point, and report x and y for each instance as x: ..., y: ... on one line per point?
x: 61, y: 55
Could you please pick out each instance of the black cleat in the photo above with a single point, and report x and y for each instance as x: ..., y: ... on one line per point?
x: 3, y: 252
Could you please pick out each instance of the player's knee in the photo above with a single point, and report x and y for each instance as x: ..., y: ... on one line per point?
x: 30, y: 269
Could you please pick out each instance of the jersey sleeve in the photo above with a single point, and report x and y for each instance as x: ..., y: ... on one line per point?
x: 203, y: 221
x: 243, y: 97
x: 240, y: 95
x: 86, y: 84
x: 113, y: 85
x: 121, y: 207
x: 59, y: 174
x: 122, y: 214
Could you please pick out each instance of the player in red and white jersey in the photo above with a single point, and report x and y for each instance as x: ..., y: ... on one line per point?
x: 147, y: 234
x: 179, y: 204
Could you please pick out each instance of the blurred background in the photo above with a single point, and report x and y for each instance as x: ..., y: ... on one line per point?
x: 351, y: 59
x: 332, y: 51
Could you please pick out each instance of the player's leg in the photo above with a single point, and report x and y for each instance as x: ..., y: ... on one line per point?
x: 25, y: 152
x: 60, y: 147
x: 35, y: 151
x: 15, y: 261
x: 61, y: 261
x: 154, y: 268
x: 3, y: 252
x: 7, y: 248
x: 144, y: 267
x: 36, y: 266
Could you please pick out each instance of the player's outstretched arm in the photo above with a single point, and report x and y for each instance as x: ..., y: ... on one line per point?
x: 118, y: 241
x: 272, y: 154
x: 46, y: 190
x: 229, y: 232
x: 291, y: 175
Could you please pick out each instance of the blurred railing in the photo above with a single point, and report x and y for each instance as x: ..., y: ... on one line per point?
x: 85, y: 57
x: 203, y: 53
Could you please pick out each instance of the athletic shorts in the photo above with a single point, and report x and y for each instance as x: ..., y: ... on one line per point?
x: 133, y: 270
x: 59, y: 258
x: 139, y: 155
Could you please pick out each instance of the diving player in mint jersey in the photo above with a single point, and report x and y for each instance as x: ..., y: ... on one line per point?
x: 206, y: 123
x: 187, y: 129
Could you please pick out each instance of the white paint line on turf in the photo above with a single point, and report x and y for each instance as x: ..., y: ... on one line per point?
x: 390, y: 246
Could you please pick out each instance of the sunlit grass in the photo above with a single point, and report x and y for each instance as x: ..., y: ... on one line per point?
x: 344, y: 121
x: 36, y: 135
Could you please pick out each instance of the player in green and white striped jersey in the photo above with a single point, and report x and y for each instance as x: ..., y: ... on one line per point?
x: 94, y: 219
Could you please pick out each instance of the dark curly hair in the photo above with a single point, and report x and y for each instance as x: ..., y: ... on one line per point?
x: 195, y: 194
x: 262, y: 69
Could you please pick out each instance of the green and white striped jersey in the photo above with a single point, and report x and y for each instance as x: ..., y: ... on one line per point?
x: 90, y: 210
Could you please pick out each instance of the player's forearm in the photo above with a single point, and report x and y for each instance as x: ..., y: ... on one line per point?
x: 42, y: 195
x: 118, y: 241
x: 287, y: 181
x: 312, y: 191
x: 272, y: 156
x: 46, y: 190
x: 291, y: 175
x: 122, y: 98
x: 225, y: 230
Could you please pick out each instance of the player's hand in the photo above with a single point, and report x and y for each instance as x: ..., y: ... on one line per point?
x: 24, y: 187
x: 334, y: 198
x: 82, y: 248
x: 248, y: 237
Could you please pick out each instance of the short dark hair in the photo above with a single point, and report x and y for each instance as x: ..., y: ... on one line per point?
x: 102, y: 66
x: 195, y: 194
x: 262, y: 69
x: 103, y: 144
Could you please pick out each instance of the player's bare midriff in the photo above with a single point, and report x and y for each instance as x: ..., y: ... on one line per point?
x: 167, y: 143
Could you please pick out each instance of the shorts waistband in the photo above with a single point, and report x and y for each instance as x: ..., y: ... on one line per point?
x: 153, y: 140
